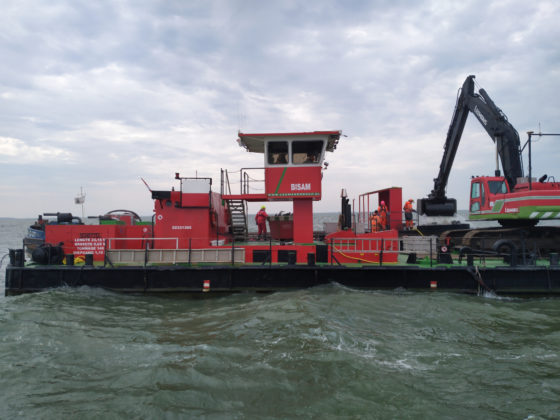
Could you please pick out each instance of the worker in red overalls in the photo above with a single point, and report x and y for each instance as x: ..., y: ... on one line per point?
x: 260, y: 219
x: 383, y: 213
x: 409, y: 222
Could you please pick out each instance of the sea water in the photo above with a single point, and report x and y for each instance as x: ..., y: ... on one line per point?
x: 328, y: 352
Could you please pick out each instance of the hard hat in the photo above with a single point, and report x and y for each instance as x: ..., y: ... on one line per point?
x: 383, y: 203
x: 263, y: 207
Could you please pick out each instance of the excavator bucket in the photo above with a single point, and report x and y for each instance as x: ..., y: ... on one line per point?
x: 437, y: 206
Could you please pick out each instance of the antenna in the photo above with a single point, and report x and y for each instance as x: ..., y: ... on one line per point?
x: 146, y: 184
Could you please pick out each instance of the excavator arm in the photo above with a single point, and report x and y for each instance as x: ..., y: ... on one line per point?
x: 498, y: 128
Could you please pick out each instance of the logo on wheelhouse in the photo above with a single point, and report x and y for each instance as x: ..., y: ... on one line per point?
x: 301, y: 187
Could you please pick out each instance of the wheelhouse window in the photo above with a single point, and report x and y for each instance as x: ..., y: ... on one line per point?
x: 307, y: 152
x: 497, y: 187
x: 277, y: 152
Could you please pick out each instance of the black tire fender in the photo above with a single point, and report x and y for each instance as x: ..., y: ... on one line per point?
x: 504, y: 246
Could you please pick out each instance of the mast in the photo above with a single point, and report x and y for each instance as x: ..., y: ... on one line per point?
x: 80, y: 199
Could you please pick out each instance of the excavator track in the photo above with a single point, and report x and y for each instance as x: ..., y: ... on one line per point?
x: 542, y: 239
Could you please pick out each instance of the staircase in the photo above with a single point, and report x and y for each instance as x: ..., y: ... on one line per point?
x: 238, y: 219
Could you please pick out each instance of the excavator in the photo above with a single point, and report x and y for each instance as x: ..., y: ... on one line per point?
x: 516, y: 202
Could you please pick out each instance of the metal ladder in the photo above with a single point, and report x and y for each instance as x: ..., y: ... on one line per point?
x: 238, y: 212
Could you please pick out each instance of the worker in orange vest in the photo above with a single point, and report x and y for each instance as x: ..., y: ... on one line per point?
x: 375, y: 222
x: 383, y: 213
x: 408, y: 214
x: 260, y: 219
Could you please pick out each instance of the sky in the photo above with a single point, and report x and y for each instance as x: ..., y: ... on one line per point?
x: 97, y: 95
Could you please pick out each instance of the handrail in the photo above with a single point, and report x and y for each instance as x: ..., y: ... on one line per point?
x: 350, y: 244
x: 245, y: 179
x: 349, y: 247
x: 225, y: 187
x: 358, y: 248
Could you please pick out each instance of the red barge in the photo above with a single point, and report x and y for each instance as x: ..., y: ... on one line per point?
x: 198, y: 239
x: 193, y: 217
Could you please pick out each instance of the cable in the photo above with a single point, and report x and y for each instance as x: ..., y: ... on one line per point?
x: 2, y: 260
x: 359, y: 259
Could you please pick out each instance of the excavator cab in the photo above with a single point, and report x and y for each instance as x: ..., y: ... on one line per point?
x: 486, y: 192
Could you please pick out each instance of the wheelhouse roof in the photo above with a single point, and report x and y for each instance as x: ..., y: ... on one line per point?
x: 255, y: 142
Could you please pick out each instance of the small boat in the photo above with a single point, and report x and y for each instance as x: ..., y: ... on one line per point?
x: 36, y: 232
x: 35, y: 237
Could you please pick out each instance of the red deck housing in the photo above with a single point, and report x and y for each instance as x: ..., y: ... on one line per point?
x: 188, y: 220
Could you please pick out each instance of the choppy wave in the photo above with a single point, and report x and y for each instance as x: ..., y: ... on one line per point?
x: 323, y: 352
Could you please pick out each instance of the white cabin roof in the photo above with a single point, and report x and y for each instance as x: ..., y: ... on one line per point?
x: 255, y: 142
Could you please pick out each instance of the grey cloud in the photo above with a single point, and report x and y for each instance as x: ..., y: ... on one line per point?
x: 386, y: 72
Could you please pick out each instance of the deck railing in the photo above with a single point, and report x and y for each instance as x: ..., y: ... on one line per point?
x: 385, y: 249
x: 174, y: 256
x: 251, y: 181
x: 359, y: 249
